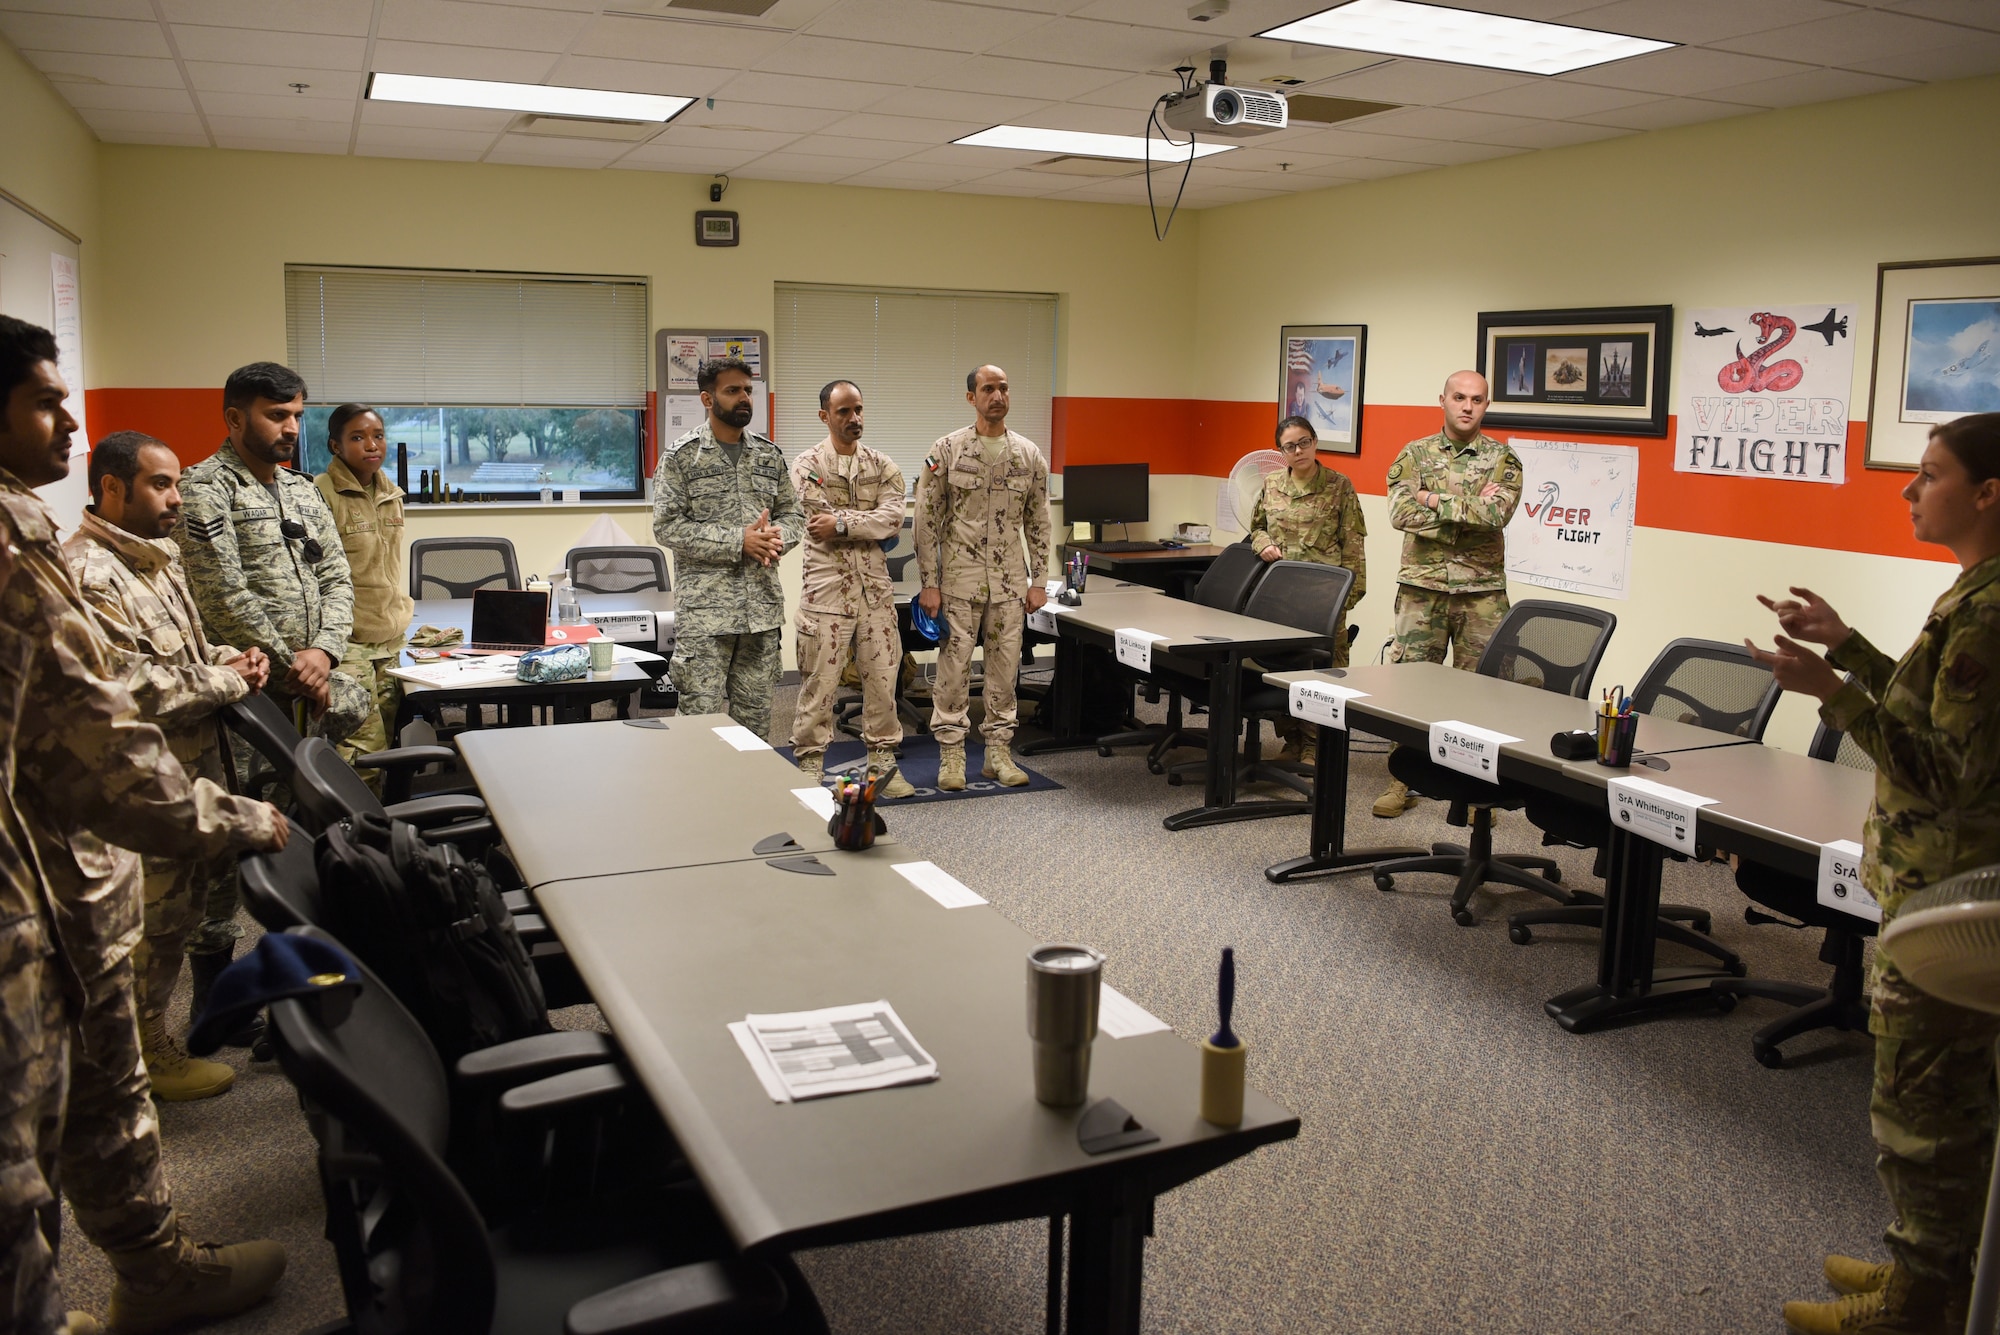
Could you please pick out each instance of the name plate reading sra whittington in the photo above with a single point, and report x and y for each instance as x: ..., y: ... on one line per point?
x: 1653, y: 811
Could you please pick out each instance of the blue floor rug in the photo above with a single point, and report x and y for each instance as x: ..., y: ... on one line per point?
x: 919, y: 763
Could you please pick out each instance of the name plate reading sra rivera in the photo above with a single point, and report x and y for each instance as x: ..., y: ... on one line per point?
x: 1840, y: 881
x: 1468, y: 749
x: 1322, y: 702
x: 1656, y: 812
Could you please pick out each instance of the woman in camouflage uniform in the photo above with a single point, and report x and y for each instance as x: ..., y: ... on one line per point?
x: 1931, y: 724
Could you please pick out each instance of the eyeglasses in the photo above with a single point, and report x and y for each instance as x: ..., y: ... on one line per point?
x: 293, y: 531
x: 1297, y: 446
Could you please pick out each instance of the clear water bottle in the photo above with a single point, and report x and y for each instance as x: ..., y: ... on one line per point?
x: 569, y: 611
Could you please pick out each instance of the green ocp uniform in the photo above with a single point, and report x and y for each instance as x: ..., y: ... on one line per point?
x: 1451, y: 590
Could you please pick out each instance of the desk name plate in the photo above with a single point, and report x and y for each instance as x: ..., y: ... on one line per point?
x: 1840, y: 885
x: 1135, y: 647
x: 1468, y: 749
x: 1654, y: 811
x: 1323, y: 703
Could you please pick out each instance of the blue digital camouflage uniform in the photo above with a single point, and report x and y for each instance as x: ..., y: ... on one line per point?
x: 729, y: 610
x: 1931, y: 724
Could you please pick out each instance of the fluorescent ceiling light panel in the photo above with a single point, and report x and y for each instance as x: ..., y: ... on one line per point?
x: 1128, y: 146
x: 590, y: 102
x: 1434, y: 32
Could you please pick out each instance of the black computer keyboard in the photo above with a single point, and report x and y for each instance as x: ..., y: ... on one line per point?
x: 1110, y: 548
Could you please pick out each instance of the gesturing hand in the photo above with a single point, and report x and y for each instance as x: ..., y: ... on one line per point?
x: 821, y: 527
x: 311, y: 669
x: 1798, y: 668
x: 253, y: 667
x: 1809, y: 618
x: 1271, y: 553
x: 762, y: 542
x: 1489, y: 491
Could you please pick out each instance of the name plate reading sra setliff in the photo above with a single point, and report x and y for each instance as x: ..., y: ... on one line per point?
x: 1322, y: 702
x: 1654, y: 811
x: 1135, y: 647
x: 1840, y: 881
x: 1468, y: 749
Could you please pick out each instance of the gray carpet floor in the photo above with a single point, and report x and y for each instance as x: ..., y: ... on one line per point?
x: 1464, y: 1165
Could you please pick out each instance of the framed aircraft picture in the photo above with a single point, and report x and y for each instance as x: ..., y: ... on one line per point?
x: 1319, y: 379
x: 1601, y: 370
x: 1937, y: 352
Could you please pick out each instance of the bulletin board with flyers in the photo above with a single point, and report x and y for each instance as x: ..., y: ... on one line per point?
x: 680, y: 353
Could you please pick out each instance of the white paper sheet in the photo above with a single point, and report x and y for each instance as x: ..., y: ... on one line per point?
x: 742, y: 738
x: 939, y: 884
x: 760, y: 1065
x: 840, y: 1049
x: 1468, y: 749
x: 452, y: 672
x: 817, y: 800
x: 1118, y: 1016
x: 1323, y: 702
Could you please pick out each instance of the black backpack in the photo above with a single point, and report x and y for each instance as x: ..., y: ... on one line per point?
x: 434, y: 928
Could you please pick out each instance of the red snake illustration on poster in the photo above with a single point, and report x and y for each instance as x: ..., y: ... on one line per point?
x: 1764, y: 391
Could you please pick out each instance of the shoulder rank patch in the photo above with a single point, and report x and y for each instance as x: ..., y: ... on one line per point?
x: 207, y: 530
x: 1964, y: 676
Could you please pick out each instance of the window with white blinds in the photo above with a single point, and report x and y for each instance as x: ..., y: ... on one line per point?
x: 909, y: 350
x: 445, y: 339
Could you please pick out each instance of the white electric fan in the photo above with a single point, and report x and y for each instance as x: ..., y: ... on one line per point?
x: 1236, y: 500
x: 1946, y: 940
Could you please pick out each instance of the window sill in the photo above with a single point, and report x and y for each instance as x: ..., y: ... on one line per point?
x: 487, y: 507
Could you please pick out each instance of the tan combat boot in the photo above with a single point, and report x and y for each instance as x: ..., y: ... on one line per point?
x: 1848, y: 1275
x: 177, y: 1077
x: 159, y: 1287
x: 813, y: 766
x: 951, y: 768
x: 1903, y: 1305
x: 898, y: 786
x: 1394, y: 801
x: 82, y: 1323
x: 1000, y: 765
x: 1292, y: 751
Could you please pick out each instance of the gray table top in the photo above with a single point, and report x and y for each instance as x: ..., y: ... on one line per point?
x: 1189, y: 627
x: 1420, y: 694
x: 674, y: 956
x: 1791, y: 800
x: 593, y: 799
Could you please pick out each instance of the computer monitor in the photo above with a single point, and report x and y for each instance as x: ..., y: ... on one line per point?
x: 1100, y: 494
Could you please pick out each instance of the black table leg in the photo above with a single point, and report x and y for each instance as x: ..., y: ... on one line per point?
x: 1220, y: 805
x: 1329, y: 851
x: 1052, y: 1321
x: 1107, y: 1261
x: 1064, y: 704
x: 1628, y: 983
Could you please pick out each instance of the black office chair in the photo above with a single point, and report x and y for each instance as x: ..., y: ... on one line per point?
x: 328, y: 789
x: 1311, y: 597
x: 456, y: 567
x: 1550, y: 645
x: 1843, y: 1002
x: 617, y: 569
x: 1225, y: 585
x: 417, y: 1256
x: 1704, y: 682
x: 265, y: 725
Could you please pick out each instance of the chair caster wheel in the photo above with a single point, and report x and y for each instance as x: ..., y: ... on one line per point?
x: 1725, y: 1002
x: 1769, y: 1058
x: 1104, y: 751
x: 1156, y: 767
x: 1553, y: 875
x: 1464, y: 918
x: 1384, y: 883
x: 1174, y: 780
x: 1739, y: 969
x: 1520, y: 935
x: 1706, y: 926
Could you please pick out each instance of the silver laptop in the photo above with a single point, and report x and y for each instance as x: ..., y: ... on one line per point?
x: 508, y: 621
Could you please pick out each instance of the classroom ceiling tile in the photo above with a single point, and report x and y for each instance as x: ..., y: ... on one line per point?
x: 1374, y: 169
x: 341, y: 18
x: 278, y: 108
x: 1091, y: 120
x: 790, y: 90
x: 1244, y: 18
x: 692, y: 136
x: 248, y: 46
x: 836, y: 146
x: 822, y: 166
x: 104, y: 97
x: 69, y: 68
x: 951, y: 104
x: 454, y: 23
x: 989, y: 159
x: 1553, y: 99
x: 1968, y: 53
x: 265, y: 142
x: 1012, y: 183
x: 732, y: 115
x: 207, y: 76
x: 1687, y: 70
x: 1021, y: 78
x: 1105, y: 46
x: 527, y: 150
x: 1699, y: 21
x: 1821, y: 85
x: 754, y: 172
x: 1418, y: 82
x: 1557, y: 134
x: 665, y: 157
x: 463, y: 62
x: 1446, y: 123
x: 417, y: 115
x: 636, y: 76
x: 115, y: 122
x: 1258, y: 159
x: 926, y: 23
x: 1857, y: 35
x: 408, y: 141
x: 1669, y: 112
x: 869, y: 61
x: 903, y: 129
x: 1135, y: 93
x: 921, y: 175
x: 158, y: 138
x: 1972, y: 13
x: 83, y: 35
x: 141, y: 10
x: 679, y: 43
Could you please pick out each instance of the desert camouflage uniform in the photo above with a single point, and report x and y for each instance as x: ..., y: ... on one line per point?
x: 1931, y: 724
x: 1452, y: 588
x: 848, y: 603
x: 81, y: 766
x: 1318, y: 520
x: 135, y: 587
x: 729, y: 611
x: 971, y: 520
x: 370, y: 522
x: 254, y: 586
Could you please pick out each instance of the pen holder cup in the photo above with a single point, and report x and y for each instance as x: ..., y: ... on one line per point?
x: 854, y: 826
x: 1614, y: 740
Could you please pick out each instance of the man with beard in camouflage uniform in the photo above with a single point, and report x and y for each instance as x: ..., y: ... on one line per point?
x: 131, y: 579
x: 983, y: 491
x: 1451, y: 494
x: 78, y: 763
x: 264, y: 561
x: 723, y: 503
x: 853, y: 499
x: 1931, y: 724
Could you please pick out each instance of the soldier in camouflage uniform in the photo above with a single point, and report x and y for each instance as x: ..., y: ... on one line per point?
x: 982, y: 492
x: 79, y: 764
x: 264, y: 562
x: 1451, y: 494
x: 1931, y: 724
x: 853, y: 500
x: 367, y: 508
x: 723, y: 504
x: 1309, y: 512
x: 131, y: 579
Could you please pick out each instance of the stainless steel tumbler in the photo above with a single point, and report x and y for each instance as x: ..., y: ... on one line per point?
x: 1063, y: 983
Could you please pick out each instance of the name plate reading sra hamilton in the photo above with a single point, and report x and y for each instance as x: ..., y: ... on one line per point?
x: 1840, y: 881
x: 1135, y: 647
x: 1468, y: 749
x: 1322, y: 702
x: 1654, y: 811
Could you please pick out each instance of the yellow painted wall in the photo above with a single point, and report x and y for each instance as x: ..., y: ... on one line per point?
x: 1789, y: 206
x: 48, y: 157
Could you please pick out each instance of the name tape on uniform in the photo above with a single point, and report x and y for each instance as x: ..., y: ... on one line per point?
x: 742, y: 738
x: 1323, y: 703
x: 939, y: 884
x: 1655, y: 811
x: 1135, y: 647
x: 1468, y: 749
x: 1840, y: 881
